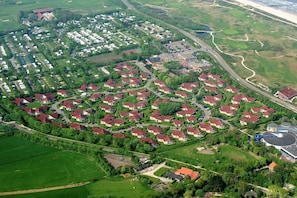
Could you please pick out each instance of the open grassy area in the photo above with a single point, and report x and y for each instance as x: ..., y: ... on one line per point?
x: 268, y: 46
x: 118, y: 186
x: 25, y: 165
x: 9, y: 10
x: 225, y: 154
x: 160, y: 172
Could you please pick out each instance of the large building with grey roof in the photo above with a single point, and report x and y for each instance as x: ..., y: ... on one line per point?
x: 282, y: 137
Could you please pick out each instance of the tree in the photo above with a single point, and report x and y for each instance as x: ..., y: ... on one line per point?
x: 169, y: 108
x: 277, y: 191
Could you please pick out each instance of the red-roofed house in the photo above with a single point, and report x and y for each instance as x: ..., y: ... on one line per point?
x: 160, y: 83
x: 119, y: 135
x: 210, y: 83
x: 247, y: 99
x: 287, y: 93
x: 106, y: 108
x: 149, y: 141
x: 221, y: 83
x: 77, y: 126
x: 44, y: 118
x: 202, y: 77
x: 129, y: 105
x: 211, y: 89
x: 165, y: 139
x: 206, y: 127
x: 181, y: 94
x: 210, y: 100
x: 45, y: 98
x: 110, y: 100
x: 216, y: 123
x: 189, y: 87
x: 232, y: 89
x: 179, y: 135
x: 187, y: 172
x: 63, y: 93
x: 191, y: 119
x: 271, y: 166
x: 100, y: 131
x: 82, y: 88
x: 248, y: 117
x: 59, y: 124
x: 236, y: 99
x: 138, y: 133
x: 95, y: 97
x: 255, y: 110
x: 213, y: 76
x: 78, y: 115
x: 194, y: 131
x: 93, y: 87
x: 155, y: 130
x: 178, y: 123
x: 164, y: 89
x: 22, y: 101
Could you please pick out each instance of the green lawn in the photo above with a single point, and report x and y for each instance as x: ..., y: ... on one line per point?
x: 162, y: 171
x: 235, y: 154
x: 25, y: 165
x: 119, y: 187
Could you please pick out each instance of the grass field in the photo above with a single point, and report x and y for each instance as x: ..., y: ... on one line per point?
x: 113, y: 187
x: 226, y: 154
x: 25, y: 165
x: 9, y: 10
x: 119, y: 187
x: 275, y: 62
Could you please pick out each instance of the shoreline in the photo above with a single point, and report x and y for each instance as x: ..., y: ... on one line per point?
x: 279, y: 13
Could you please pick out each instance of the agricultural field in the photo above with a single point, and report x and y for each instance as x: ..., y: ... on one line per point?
x: 267, y: 46
x: 25, y: 165
x: 9, y: 10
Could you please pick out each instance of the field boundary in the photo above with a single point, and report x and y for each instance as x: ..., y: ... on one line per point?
x: 20, y: 192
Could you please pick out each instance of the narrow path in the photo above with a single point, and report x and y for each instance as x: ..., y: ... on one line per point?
x: 20, y: 192
x: 239, y: 56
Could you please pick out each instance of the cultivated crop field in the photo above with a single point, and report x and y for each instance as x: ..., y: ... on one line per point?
x: 268, y: 47
x: 25, y: 165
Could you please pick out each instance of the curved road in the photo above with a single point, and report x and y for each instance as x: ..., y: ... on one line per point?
x: 220, y: 60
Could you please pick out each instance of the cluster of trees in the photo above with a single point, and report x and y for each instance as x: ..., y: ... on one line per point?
x: 169, y: 108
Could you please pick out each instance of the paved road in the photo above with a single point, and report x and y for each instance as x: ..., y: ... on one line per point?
x: 220, y: 60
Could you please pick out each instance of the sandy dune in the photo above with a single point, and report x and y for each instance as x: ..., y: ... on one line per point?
x: 281, y: 14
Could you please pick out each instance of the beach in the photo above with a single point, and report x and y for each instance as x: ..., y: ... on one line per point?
x: 291, y: 17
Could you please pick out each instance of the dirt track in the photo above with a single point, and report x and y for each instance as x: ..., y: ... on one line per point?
x: 19, y: 192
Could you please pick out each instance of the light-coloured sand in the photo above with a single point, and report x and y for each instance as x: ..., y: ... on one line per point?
x: 281, y: 14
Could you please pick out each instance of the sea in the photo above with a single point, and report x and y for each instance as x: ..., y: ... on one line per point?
x: 284, y: 5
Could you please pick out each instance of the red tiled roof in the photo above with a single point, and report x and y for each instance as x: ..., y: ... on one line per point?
x: 186, y: 171
x: 288, y: 93
x: 100, y: 131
